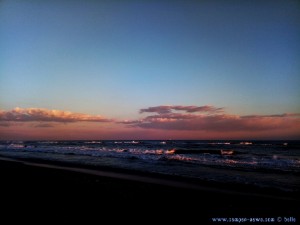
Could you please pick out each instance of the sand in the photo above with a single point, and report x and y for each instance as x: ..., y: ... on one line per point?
x: 60, y: 190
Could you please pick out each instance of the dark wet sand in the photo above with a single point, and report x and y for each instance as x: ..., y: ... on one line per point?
x: 72, y: 192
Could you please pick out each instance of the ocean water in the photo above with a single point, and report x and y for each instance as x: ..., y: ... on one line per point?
x: 269, y: 164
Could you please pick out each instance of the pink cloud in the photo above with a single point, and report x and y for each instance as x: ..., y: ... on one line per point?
x: 46, y: 115
x: 4, y: 124
x: 130, y: 121
x: 213, y: 120
x: 44, y: 125
x: 160, y: 122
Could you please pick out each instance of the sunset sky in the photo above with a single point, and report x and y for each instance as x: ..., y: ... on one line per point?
x: 149, y: 69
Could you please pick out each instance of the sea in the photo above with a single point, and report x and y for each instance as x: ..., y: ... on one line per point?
x: 264, y: 164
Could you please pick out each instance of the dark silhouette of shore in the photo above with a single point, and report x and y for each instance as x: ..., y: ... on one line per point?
x: 77, y: 191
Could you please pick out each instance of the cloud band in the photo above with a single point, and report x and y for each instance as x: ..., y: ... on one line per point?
x: 46, y: 115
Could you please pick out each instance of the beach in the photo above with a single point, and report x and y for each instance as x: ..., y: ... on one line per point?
x: 74, y: 191
x: 149, y: 112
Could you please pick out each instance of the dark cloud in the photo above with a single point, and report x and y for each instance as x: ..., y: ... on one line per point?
x: 274, y: 115
x: 164, y: 109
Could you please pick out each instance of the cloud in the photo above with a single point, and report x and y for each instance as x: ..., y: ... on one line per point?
x: 274, y: 115
x: 43, y: 125
x: 4, y: 124
x: 210, y: 118
x: 165, y: 109
x: 46, y: 115
x: 204, y: 120
x: 129, y: 121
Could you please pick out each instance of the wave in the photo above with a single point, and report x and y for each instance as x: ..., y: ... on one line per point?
x: 93, y: 142
x: 152, y: 152
x: 208, y: 151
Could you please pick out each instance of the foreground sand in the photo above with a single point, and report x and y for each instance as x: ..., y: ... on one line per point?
x: 73, y: 191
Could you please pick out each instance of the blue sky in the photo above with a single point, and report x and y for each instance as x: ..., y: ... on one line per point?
x: 116, y: 57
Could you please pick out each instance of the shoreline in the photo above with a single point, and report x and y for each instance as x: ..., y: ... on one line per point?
x: 71, y: 187
x: 171, y: 181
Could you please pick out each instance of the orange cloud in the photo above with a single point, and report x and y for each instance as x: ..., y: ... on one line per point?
x: 46, y: 115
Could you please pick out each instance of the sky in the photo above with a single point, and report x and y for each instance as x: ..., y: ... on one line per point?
x: 149, y: 69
